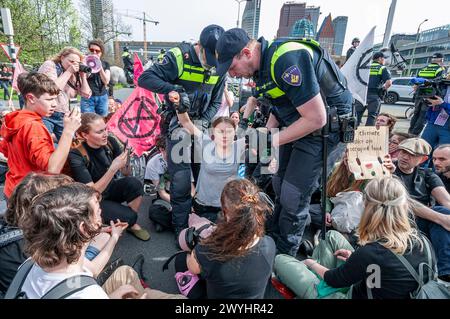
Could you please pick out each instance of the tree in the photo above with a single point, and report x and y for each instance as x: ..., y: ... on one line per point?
x: 42, y: 27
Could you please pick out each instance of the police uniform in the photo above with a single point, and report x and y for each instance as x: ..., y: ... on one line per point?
x: 181, y: 66
x: 127, y: 65
x: 379, y: 74
x: 430, y: 72
x: 290, y: 75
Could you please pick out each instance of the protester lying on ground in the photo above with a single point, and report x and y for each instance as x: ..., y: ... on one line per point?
x: 384, y: 231
x: 394, y: 141
x: 27, y: 143
x: 61, y: 224
x: 221, y: 156
x: 236, y: 259
x: 428, y: 190
x: 64, y: 69
x: 105, y: 159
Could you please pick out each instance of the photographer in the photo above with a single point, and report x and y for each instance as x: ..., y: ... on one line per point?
x: 433, y: 71
x: 64, y: 70
x: 98, y: 82
x: 437, y: 128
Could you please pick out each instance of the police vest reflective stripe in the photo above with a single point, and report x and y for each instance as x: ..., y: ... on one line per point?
x: 431, y: 71
x: 376, y: 69
x: 191, y: 73
x: 125, y: 54
x: 276, y: 92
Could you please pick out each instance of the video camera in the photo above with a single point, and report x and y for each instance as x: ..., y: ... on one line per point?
x: 262, y: 115
x: 429, y: 88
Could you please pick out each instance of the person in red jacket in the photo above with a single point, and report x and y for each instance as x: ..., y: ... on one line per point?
x: 26, y: 141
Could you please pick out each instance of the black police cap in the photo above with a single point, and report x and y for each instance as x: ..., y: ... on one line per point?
x: 438, y: 56
x: 378, y: 55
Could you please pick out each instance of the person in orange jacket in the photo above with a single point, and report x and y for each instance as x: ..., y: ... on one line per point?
x: 26, y: 141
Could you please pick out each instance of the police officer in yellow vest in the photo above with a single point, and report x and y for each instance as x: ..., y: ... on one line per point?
x: 191, y: 67
x: 127, y: 65
x: 298, y: 77
x: 379, y: 82
x: 434, y: 70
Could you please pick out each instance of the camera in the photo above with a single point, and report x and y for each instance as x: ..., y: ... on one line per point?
x: 85, y: 68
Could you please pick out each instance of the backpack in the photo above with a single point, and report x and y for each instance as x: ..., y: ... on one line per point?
x: 430, y: 289
x: 78, y: 145
x: 9, y: 234
x: 62, y: 290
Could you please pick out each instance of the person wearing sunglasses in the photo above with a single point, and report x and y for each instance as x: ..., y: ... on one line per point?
x: 98, y: 82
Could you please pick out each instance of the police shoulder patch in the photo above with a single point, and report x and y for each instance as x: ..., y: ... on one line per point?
x: 292, y: 76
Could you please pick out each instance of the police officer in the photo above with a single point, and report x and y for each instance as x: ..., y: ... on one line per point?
x: 127, y: 64
x: 432, y: 71
x: 190, y: 66
x: 379, y: 82
x: 355, y: 44
x: 298, y: 78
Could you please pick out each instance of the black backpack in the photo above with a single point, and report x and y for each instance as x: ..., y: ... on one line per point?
x: 62, y: 290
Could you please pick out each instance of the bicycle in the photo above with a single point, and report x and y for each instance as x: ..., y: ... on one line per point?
x: 409, y: 112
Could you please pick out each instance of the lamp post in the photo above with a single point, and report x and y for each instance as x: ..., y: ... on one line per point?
x: 415, y: 46
x: 239, y: 10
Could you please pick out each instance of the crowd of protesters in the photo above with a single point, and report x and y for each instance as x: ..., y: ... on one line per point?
x: 71, y: 194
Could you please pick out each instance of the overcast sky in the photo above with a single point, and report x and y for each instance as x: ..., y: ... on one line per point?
x: 184, y: 19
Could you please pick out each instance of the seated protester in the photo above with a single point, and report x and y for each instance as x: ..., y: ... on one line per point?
x: 385, y: 119
x: 425, y: 187
x: 441, y: 163
x: 106, y: 159
x: 236, y: 259
x: 394, y: 141
x: 64, y: 69
x: 61, y: 224
x: 384, y: 231
x: 221, y: 157
x: 27, y: 143
x: 12, y: 254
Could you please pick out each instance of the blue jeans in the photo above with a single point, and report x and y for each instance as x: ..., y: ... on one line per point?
x: 55, y: 124
x: 4, y: 86
x: 440, y: 238
x: 95, y: 104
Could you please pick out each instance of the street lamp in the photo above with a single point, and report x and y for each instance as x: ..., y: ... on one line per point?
x: 239, y: 10
x: 415, y: 46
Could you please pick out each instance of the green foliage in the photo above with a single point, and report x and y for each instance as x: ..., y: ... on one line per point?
x: 42, y: 28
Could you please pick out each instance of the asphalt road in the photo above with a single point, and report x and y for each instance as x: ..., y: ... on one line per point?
x: 162, y: 245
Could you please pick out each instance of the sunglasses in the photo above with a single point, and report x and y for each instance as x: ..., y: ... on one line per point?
x: 95, y: 50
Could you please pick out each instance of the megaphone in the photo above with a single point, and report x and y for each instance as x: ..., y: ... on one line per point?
x: 94, y: 63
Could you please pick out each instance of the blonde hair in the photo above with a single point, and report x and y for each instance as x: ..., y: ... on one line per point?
x: 65, y: 52
x: 386, y: 218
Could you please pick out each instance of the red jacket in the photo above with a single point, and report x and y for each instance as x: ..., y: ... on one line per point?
x: 27, y: 144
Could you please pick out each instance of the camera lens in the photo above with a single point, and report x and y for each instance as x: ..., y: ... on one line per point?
x: 85, y: 68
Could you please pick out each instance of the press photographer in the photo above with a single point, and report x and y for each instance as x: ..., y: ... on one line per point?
x: 70, y: 75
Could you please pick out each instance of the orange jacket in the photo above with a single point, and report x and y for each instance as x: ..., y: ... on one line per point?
x: 27, y: 144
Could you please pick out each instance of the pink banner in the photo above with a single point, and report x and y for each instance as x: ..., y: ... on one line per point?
x: 137, y: 121
x: 138, y: 68
x: 18, y: 70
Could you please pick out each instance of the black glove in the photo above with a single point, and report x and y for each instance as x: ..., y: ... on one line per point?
x: 184, y: 103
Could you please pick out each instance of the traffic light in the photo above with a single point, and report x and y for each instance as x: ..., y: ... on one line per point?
x: 6, y: 26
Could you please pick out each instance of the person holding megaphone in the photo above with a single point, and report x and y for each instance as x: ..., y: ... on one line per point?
x: 64, y: 69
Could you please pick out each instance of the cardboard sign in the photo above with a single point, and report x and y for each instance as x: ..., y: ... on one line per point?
x: 366, y: 154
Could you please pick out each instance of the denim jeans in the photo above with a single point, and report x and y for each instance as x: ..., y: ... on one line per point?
x: 95, y: 104
x: 4, y: 86
x: 440, y: 238
x: 55, y: 124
